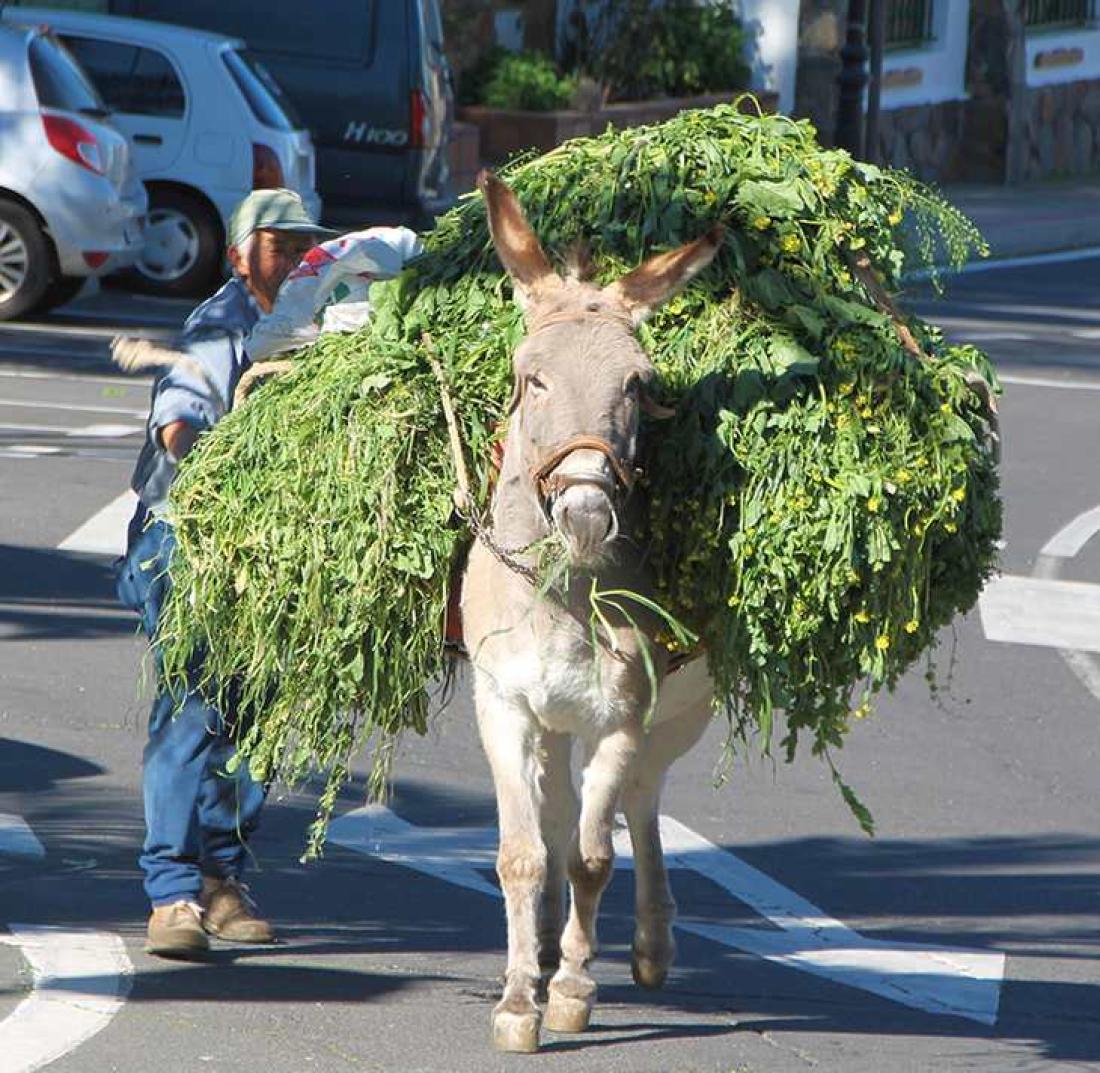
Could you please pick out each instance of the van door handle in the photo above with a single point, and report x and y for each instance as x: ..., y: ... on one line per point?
x: 148, y: 139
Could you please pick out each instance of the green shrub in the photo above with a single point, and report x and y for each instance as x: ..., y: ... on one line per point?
x: 528, y: 81
x: 678, y: 48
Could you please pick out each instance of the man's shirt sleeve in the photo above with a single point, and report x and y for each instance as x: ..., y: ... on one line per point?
x: 200, y: 390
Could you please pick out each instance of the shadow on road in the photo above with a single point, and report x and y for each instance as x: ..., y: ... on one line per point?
x: 1034, y: 897
x: 48, y: 595
x: 26, y: 768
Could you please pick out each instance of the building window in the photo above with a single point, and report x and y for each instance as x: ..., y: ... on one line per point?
x: 908, y: 23
x: 1057, y: 13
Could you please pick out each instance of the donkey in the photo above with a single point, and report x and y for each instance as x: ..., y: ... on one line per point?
x: 540, y: 677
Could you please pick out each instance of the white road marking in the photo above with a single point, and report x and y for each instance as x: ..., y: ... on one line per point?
x: 120, y: 380
x: 1040, y: 611
x: 81, y: 979
x: 942, y: 980
x: 30, y: 450
x: 991, y: 336
x: 17, y: 839
x: 1046, y: 381
x: 93, y: 431
x: 1085, y: 253
x: 105, y: 532
x: 73, y: 407
x: 1073, y: 536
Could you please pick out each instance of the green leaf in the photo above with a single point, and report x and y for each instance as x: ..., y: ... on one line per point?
x: 770, y: 198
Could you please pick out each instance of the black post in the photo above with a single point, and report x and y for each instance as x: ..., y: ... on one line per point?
x: 853, y: 79
x: 876, y: 32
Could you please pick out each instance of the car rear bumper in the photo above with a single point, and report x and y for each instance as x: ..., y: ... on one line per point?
x: 88, y: 219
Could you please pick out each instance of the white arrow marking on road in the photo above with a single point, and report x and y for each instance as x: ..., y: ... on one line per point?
x: 1042, y: 611
x: 100, y: 432
x: 17, y: 839
x: 81, y: 979
x: 105, y: 532
x: 962, y: 983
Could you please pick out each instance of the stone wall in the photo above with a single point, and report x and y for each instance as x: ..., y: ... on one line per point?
x: 925, y: 139
x: 1062, y: 130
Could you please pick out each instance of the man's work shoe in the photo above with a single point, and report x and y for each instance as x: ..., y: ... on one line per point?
x: 230, y: 913
x: 175, y: 931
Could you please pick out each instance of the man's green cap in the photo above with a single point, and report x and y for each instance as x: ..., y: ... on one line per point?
x: 272, y: 210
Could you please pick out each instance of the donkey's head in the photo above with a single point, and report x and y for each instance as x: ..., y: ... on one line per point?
x: 581, y: 377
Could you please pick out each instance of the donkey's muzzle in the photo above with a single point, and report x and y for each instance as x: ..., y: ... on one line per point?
x: 585, y: 516
x: 578, y: 488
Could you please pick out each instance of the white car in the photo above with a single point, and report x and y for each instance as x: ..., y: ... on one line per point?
x: 207, y: 122
x: 70, y: 206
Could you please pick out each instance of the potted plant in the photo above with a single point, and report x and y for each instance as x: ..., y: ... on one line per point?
x: 622, y: 65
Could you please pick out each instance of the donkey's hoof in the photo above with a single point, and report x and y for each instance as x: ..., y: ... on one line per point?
x: 516, y: 1033
x: 567, y: 1014
x: 648, y: 972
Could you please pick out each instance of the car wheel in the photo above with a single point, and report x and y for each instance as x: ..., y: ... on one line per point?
x: 25, y: 262
x: 183, y: 247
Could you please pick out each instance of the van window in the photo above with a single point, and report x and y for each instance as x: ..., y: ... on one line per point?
x: 267, y: 101
x: 58, y: 81
x: 341, y: 30
x: 133, y: 80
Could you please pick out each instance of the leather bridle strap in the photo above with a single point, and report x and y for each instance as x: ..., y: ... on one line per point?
x: 548, y: 484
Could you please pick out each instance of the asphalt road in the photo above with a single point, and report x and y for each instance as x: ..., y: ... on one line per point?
x: 985, y: 796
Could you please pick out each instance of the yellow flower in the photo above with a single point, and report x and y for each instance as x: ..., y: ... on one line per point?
x: 951, y: 527
x: 762, y: 223
x: 902, y: 476
x: 958, y: 494
x: 862, y: 711
x: 853, y: 578
x: 882, y: 642
x: 866, y: 411
x: 862, y: 616
x: 894, y: 219
x: 733, y: 601
x: 945, y: 407
x: 918, y: 529
x: 790, y: 244
x: 873, y: 504
x: 911, y: 626
x: 847, y: 387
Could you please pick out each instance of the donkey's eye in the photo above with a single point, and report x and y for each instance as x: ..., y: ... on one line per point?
x: 535, y: 382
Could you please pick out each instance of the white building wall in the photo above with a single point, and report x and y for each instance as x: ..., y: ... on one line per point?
x: 773, y: 59
x: 941, y: 61
x: 1077, y: 50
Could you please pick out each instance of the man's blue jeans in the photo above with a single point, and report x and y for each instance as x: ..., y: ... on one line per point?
x: 197, y: 816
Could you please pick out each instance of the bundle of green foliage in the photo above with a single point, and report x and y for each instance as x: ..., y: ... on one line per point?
x: 638, y: 49
x: 824, y: 500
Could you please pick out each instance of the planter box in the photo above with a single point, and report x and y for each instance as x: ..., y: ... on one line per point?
x: 504, y: 132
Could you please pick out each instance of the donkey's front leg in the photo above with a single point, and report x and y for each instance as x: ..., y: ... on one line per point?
x: 684, y: 712
x: 572, y: 991
x: 511, y: 740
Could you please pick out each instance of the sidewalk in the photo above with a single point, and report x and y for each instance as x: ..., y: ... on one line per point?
x: 1022, y: 221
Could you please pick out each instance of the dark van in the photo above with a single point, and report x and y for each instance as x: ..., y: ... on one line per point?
x: 370, y: 81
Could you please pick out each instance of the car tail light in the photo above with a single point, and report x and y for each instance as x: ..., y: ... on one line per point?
x: 418, y: 120
x: 72, y: 140
x: 95, y: 258
x: 267, y: 172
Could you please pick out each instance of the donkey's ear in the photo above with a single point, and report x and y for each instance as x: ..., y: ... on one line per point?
x: 515, y: 242
x: 659, y: 278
